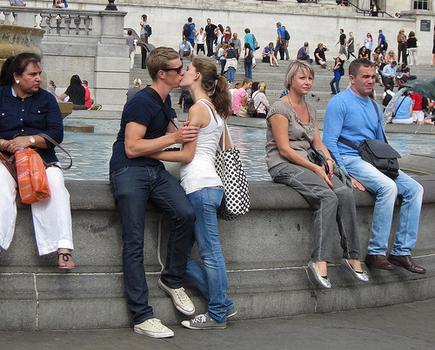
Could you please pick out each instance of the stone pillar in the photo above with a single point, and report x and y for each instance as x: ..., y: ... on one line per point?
x: 424, y: 32
x: 112, y: 65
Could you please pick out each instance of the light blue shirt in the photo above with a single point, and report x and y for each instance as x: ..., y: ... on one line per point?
x: 354, y: 118
x: 389, y: 71
x: 250, y: 39
x: 402, y: 111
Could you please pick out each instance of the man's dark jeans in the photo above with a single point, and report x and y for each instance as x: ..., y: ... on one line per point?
x: 132, y: 188
x: 209, y: 42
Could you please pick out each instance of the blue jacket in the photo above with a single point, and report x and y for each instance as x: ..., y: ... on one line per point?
x: 38, y: 113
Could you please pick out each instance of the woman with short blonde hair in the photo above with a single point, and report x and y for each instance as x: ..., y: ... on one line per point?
x: 291, y: 140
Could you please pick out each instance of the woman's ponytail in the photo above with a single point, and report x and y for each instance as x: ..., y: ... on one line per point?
x: 221, y: 98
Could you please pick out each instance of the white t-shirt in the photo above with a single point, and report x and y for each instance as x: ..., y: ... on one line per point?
x: 201, y: 172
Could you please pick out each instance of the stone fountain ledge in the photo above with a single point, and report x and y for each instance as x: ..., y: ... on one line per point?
x: 266, y: 252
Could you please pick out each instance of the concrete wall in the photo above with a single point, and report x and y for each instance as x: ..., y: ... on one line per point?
x: 266, y: 252
x: 306, y: 22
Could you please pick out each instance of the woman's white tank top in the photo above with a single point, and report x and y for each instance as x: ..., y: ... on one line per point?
x: 201, y: 172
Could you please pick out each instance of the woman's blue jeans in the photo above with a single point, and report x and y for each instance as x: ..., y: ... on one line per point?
x: 211, y: 277
x: 335, y: 81
x: 230, y: 74
x: 248, y: 70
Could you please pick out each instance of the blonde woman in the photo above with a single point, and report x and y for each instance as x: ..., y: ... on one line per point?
x: 261, y: 103
x: 292, y: 131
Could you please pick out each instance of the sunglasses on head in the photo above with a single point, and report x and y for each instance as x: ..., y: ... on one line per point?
x: 177, y: 70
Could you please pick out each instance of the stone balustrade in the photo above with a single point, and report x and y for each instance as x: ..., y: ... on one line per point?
x: 88, y: 43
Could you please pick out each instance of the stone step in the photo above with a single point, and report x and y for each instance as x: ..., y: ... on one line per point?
x: 276, y: 74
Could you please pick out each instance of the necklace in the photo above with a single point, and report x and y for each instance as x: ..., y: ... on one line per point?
x: 296, y: 115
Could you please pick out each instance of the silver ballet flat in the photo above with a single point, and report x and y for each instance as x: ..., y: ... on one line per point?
x: 322, y: 281
x: 363, y: 276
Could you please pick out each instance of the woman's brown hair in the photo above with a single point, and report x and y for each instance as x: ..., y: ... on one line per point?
x: 216, y: 86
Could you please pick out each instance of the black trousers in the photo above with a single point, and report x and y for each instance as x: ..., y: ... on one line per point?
x: 209, y: 42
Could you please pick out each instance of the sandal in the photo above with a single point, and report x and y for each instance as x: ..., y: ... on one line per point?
x: 66, y: 258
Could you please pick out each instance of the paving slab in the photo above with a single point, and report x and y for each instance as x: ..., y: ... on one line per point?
x: 405, y: 326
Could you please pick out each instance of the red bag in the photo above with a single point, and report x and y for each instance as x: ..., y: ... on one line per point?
x: 31, y: 176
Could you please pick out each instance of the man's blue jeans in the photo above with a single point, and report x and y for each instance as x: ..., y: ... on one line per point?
x: 386, y: 191
x: 211, y: 278
x: 132, y: 188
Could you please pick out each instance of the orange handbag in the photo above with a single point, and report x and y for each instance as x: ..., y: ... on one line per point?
x: 31, y: 176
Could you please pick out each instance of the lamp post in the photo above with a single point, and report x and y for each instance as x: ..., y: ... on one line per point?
x: 111, y: 6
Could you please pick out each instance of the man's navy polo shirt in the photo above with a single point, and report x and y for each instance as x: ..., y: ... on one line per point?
x: 146, y: 110
x: 36, y: 114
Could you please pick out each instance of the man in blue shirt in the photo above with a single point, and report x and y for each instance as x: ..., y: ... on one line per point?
x: 137, y: 177
x: 382, y: 42
x: 280, y: 41
x: 189, y: 31
x: 355, y: 117
x: 389, y: 73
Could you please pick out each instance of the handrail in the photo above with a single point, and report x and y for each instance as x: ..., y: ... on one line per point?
x: 368, y: 12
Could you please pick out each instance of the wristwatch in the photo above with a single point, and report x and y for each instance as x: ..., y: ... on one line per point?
x: 32, y: 140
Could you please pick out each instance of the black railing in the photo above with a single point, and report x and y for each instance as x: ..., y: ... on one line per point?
x: 307, y: 1
x: 377, y: 13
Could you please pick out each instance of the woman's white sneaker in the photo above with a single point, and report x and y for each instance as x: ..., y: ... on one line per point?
x: 180, y: 299
x: 153, y: 328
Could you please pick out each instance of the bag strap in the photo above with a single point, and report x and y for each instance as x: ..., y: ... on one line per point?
x: 50, y: 139
x: 403, y: 99
x: 157, y: 98
x: 351, y: 144
x: 347, y: 142
x: 253, y: 99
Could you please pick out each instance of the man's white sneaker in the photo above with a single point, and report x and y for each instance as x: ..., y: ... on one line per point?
x: 180, y: 299
x: 153, y: 328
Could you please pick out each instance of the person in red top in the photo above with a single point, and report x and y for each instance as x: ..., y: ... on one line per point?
x: 417, y: 110
x: 88, y: 100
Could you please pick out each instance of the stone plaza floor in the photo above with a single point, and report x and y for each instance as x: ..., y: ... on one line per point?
x: 405, y: 326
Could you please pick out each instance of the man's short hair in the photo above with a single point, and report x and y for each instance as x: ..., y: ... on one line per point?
x: 159, y: 59
x: 306, y: 44
x: 129, y: 32
x: 189, y: 19
x: 247, y: 30
x: 356, y: 64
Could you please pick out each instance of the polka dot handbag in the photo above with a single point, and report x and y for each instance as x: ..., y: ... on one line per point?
x: 236, y: 201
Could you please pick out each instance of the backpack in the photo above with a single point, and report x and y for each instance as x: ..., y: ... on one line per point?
x: 387, y: 99
x: 341, y: 69
x: 148, y: 30
x: 286, y: 35
x: 187, y: 30
x: 250, y: 107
